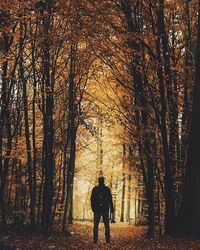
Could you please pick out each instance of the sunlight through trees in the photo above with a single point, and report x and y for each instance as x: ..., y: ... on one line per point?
x: 100, y: 87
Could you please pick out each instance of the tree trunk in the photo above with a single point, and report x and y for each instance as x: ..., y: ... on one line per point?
x: 4, y: 84
x: 168, y: 147
x: 128, y: 212
x: 72, y: 139
x: 142, y: 118
x: 48, y: 188
x: 34, y: 160
x: 189, y: 214
x: 27, y: 133
x: 18, y: 195
x: 123, y: 197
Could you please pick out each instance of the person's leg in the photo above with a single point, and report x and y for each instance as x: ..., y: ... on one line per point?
x: 97, y: 217
x: 107, y: 226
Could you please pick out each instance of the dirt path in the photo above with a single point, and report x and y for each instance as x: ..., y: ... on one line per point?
x: 124, y: 236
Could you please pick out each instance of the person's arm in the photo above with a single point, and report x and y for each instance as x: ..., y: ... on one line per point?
x: 111, y: 202
x: 92, y: 199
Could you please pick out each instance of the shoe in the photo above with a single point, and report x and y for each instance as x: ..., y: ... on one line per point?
x: 95, y: 241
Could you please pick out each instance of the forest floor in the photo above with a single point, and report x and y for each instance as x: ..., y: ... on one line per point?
x: 124, y: 236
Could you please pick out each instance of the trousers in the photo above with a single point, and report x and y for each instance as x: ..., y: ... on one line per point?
x: 97, y: 217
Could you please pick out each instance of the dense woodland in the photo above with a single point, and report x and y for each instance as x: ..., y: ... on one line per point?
x: 69, y: 68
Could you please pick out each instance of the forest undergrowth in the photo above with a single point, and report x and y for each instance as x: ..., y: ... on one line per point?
x: 124, y: 236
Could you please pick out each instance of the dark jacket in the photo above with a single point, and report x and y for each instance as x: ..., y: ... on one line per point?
x: 107, y: 196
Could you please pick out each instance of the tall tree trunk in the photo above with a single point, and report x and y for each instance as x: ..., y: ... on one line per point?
x: 189, y: 214
x: 72, y: 139
x: 115, y: 198
x: 123, y: 185
x: 18, y: 195
x: 4, y: 84
x: 48, y: 188
x: 70, y: 184
x: 34, y: 160
x: 123, y: 198
x: 142, y: 118
x: 4, y: 177
x: 27, y: 132
x: 188, y: 82
x: 128, y: 212
x: 168, y: 147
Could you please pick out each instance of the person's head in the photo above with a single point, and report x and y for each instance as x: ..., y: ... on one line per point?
x: 101, y: 180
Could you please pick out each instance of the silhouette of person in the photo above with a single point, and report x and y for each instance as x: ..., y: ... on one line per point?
x: 102, y: 205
